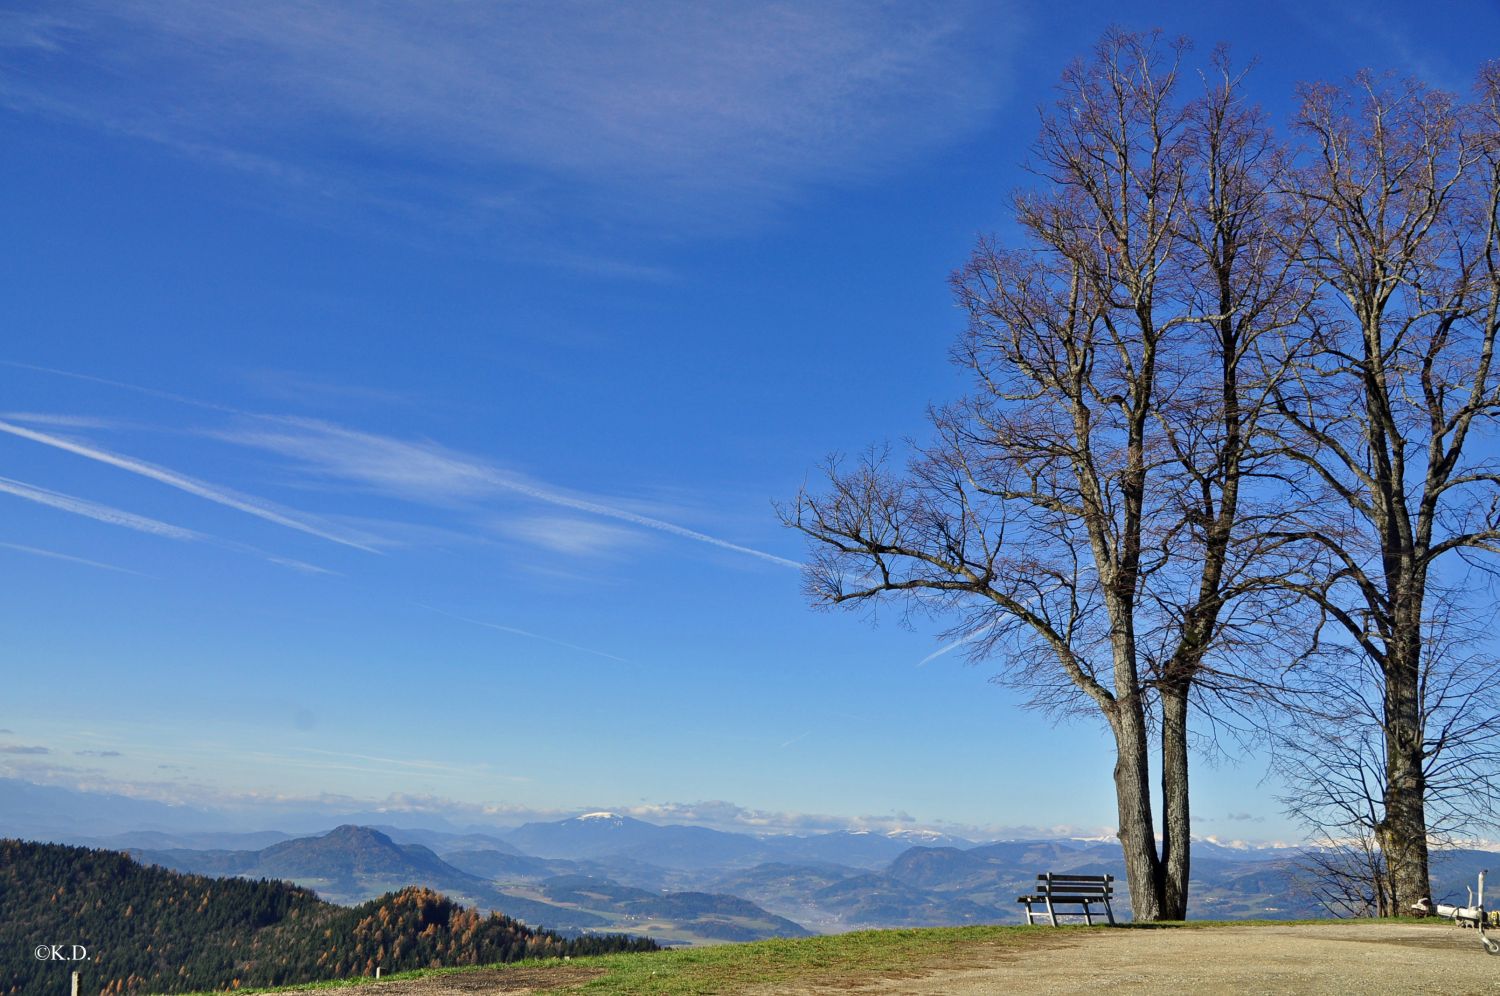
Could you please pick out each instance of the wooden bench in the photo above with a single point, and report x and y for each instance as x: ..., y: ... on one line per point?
x: 1069, y: 890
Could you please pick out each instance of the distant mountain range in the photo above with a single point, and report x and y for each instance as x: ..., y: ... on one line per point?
x: 351, y: 864
x: 605, y: 871
x: 687, y: 884
x: 687, y: 848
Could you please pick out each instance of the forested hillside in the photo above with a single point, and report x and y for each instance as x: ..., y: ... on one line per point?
x: 148, y: 929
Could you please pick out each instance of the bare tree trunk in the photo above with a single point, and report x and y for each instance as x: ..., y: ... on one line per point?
x: 1176, y: 828
x: 1403, y: 832
x: 1133, y: 799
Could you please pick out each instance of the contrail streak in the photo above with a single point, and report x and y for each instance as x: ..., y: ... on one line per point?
x: 94, y: 510
x: 221, y: 496
x: 137, y: 388
x: 969, y: 637
x: 129, y: 520
x: 529, y: 635
x: 489, y: 474
x: 54, y: 555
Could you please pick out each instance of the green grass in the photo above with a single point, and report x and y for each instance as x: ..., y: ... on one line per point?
x: 732, y: 968
x: 364, y: 980
x: 866, y: 954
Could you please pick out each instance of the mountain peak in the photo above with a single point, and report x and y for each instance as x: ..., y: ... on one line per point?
x: 600, y: 816
x: 351, y: 831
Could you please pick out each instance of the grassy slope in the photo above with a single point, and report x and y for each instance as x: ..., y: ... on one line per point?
x: 842, y: 957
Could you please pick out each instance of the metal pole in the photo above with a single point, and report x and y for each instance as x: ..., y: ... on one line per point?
x: 75, y: 984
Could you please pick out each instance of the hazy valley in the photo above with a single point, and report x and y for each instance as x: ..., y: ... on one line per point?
x: 605, y: 872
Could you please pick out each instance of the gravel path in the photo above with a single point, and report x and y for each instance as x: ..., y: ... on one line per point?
x: 1366, y: 959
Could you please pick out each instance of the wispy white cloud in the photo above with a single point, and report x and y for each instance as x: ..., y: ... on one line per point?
x: 1364, y: 34
x: 94, y: 510
x: 528, y: 635
x: 414, y: 764
x: 324, y: 760
x: 57, y: 421
x: 300, y: 566
x: 724, y: 815
x: 54, y: 555
x: 305, y: 389
x: 570, y: 535
x: 428, y: 472
x: 422, y: 472
x: 527, y: 109
x: 219, y: 495
x: 404, y: 534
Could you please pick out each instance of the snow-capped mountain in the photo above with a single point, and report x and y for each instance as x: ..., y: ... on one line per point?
x: 585, y: 836
x: 610, y: 834
x: 928, y: 838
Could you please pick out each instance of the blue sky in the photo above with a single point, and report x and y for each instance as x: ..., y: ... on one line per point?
x: 395, y: 395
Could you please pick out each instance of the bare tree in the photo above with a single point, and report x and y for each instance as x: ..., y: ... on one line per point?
x: 1398, y: 203
x: 1091, y: 514
x: 1331, y: 755
x: 1347, y: 876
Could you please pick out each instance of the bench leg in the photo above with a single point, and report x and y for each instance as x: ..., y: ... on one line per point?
x: 1052, y: 913
x: 1110, y: 911
x: 1088, y: 917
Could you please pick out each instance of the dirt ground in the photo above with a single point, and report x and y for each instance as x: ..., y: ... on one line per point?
x: 1333, y: 959
x: 1362, y: 959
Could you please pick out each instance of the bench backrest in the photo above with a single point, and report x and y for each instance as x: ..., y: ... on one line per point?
x: 1078, y: 885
